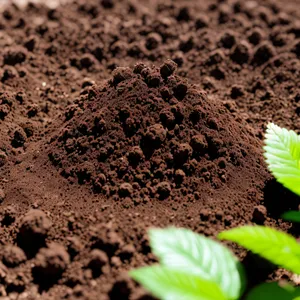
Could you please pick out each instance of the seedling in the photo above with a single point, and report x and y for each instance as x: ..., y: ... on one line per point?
x: 282, y: 153
x: 194, y: 267
x: 278, y: 247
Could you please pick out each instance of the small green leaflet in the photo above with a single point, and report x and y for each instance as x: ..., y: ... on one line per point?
x: 183, y: 250
x: 293, y: 216
x: 170, y: 284
x: 282, y: 153
x: 276, y: 246
x: 272, y: 291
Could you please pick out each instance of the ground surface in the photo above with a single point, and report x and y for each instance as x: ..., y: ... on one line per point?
x: 91, y: 155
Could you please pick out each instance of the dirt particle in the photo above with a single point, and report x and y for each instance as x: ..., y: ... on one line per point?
x: 183, y: 14
x: 127, y: 252
x: 14, y: 56
x: 108, y: 4
x: 215, y: 58
x: 163, y: 190
x: 9, y: 216
x: 182, y: 153
x: 187, y: 44
x: 97, y: 260
x: 156, y: 135
x: 107, y: 240
x: 125, y: 189
x: 201, y: 21
x: 121, y: 288
x: 237, y: 91
x: 259, y: 214
x: 179, y: 176
x: 135, y: 155
x: 12, y: 256
x: 227, y: 40
x: 228, y: 220
x: 180, y: 91
x: 178, y: 58
x: 168, y: 68
x: 263, y: 53
x: 30, y: 43
x: 75, y: 246
x: 32, y: 110
x: 49, y: 265
x: 120, y: 74
x: 241, y: 53
x: 19, y: 138
x: 204, y: 214
x: 199, y: 144
x: 33, y: 231
x: 153, y: 40
x: 86, y: 61
x: 154, y: 80
x: 255, y: 37
x: 218, y: 73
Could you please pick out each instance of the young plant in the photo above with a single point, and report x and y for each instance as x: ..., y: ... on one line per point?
x: 278, y: 247
x: 282, y: 153
x: 194, y: 267
x: 191, y: 267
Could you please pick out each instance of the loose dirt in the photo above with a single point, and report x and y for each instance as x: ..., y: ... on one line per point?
x: 116, y: 116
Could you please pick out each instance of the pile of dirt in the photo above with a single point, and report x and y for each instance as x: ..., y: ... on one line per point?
x: 149, y: 134
x: 120, y: 115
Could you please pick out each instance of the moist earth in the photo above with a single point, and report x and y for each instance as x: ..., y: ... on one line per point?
x: 116, y: 116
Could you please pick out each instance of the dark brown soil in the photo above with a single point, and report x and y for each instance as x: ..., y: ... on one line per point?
x: 120, y: 115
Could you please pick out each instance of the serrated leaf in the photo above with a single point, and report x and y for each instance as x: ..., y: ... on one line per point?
x: 184, y: 250
x: 282, y: 153
x: 272, y: 291
x: 292, y: 216
x: 276, y: 246
x: 170, y: 284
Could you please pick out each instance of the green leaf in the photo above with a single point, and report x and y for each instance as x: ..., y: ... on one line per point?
x: 272, y: 291
x: 282, y: 153
x: 293, y: 216
x: 170, y: 284
x: 184, y: 250
x: 276, y: 246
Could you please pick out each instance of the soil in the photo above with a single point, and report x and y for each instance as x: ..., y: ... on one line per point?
x: 116, y: 116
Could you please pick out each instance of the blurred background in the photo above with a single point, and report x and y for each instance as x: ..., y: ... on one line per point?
x: 50, y: 3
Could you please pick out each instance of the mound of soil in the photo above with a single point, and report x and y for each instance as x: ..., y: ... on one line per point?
x: 148, y: 134
x: 120, y: 115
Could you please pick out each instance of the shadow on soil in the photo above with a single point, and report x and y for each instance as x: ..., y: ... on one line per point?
x: 257, y: 269
x: 278, y: 199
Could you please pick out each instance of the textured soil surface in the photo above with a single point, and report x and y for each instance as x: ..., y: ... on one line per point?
x: 116, y: 116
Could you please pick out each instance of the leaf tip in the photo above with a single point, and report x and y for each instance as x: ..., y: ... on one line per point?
x: 221, y: 235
